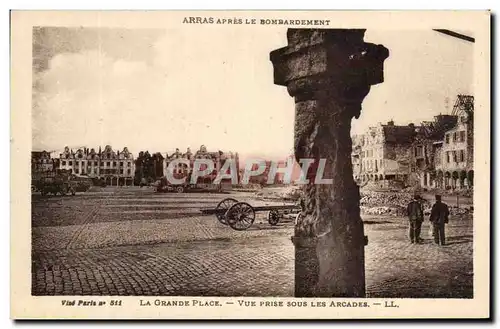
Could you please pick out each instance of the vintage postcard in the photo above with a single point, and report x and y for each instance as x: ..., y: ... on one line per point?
x: 250, y: 164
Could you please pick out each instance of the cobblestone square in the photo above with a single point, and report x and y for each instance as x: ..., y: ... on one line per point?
x: 132, y: 241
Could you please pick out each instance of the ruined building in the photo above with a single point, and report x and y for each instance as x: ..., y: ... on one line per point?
x: 455, y: 154
x: 382, y: 154
x: 184, y: 168
x: 41, y: 162
x: 113, y: 167
x: 425, y: 150
x: 434, y: 154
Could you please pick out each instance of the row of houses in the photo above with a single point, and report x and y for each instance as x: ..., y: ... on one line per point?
x: 434, y: 154
x: 121, y: 168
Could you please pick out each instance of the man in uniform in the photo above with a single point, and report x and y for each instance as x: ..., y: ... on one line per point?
x: 438, y: 218
x: 416, y: 217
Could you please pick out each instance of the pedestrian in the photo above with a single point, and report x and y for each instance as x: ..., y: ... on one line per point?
x: 439, y: 217
x: 415, y: 215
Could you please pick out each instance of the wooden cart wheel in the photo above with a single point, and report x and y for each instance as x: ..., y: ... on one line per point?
x: 240, y: 216
x: 299, y: 216
x: 273, y: 217
x: 224, y: 205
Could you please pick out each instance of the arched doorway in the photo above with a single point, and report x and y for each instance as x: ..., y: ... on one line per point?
x: 439, y: 179
x: 454, y: 176
x: 432, y: 178
x: 470, y: 178
x: 462, y: 178
x: 447, y: 180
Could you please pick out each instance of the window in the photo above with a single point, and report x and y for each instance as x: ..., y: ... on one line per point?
x: 95, y: 163
x: 108, y: 164
x: 70, y: 163
x: 63, y: 163
x: 76, y: 171
x: 121, y: 164
x: 114, y: 163
x: 455, y: 136
x: 128, y: 171
x: 462, y: 156
x: 448, y: 157
x: 455, y: 156
x: 419, y: 151
x: 462, y: 136
x: 447, y: 139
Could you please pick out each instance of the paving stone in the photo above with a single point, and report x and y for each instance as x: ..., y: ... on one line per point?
x: 80, y: 252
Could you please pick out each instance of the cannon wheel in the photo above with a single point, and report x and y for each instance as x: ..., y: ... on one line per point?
x: 240, y: 216
x: 273, y: 217
x: 225, y: 205
x: 297, y: 217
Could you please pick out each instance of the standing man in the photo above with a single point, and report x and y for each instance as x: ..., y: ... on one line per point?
x: 438, y: 218
x: 416, y: 217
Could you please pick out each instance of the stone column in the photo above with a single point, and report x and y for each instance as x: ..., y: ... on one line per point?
x: 328, y: 72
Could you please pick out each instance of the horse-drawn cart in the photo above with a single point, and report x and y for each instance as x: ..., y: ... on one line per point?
x: 241, y: 215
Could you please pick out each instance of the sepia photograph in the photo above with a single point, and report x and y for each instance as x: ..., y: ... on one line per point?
x: 249, y: 155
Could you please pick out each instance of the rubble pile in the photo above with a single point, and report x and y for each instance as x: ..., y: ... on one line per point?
x: 386, y: 203
x: 395, y: 211
x: 454, y: 211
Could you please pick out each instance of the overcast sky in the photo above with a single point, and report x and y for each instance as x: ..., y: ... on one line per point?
x: 158, y: 90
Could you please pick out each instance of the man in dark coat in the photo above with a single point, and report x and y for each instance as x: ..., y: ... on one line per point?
x: 416, y: 217
x: 438, y: 218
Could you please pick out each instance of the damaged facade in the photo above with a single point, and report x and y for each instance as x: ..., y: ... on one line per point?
x: 41, y: 162
x: 434, y: 154
x: 455, y: 169
x: 115, y: 168
x: 382, y: 154
x: 183, y: 169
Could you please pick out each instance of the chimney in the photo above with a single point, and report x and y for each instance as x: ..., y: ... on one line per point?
x: 390, y: 123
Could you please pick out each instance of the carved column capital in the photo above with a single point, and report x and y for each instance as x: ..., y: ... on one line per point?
x: 328, y: 64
